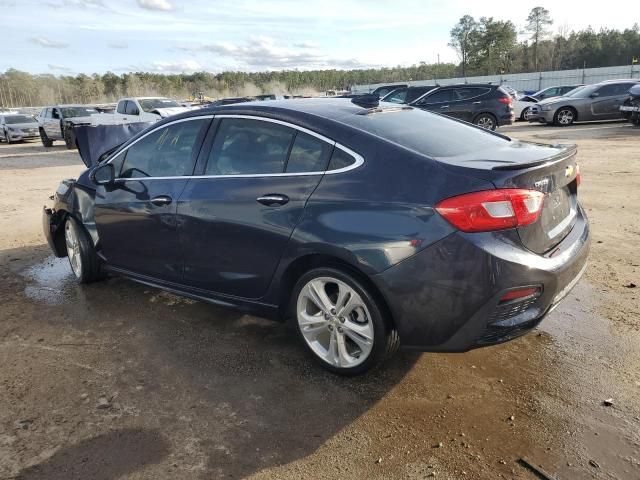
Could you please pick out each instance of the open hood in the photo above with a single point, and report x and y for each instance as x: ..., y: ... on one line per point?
x: 94, y: 141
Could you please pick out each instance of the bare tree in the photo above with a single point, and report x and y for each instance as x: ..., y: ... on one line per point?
x: 462, y: 39
x: 537, y: 22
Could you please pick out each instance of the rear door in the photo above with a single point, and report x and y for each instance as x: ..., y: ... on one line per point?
x: 136, y: 216
x: 467, y: 102
x: 610, y: 97
x: 236, y: 217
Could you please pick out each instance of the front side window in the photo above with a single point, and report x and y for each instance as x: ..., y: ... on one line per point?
x: 131, y: 108
x: 167, y: 152
x: 438, y: 97
x: 245, y: 146
x: 308, y: 154
x: 122, y: 107
x: 397, y: 96
x: 614, y: 89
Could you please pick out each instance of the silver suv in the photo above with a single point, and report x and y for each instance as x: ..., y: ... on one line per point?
x: 57, y: 123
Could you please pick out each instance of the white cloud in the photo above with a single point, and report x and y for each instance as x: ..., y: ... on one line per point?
x: 180, y: 66
x: 262, y: 53
x: 162, y: 5
x: 60, y: 68
x: 118, y: 45
x: 46, y: 43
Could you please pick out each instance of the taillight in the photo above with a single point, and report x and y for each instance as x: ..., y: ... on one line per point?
x: 505, y: 100
x: 492, y: 209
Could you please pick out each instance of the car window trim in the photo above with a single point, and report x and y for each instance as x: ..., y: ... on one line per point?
x: 358, y: 159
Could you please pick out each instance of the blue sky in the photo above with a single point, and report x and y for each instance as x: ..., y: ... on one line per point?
x: 86, y: 36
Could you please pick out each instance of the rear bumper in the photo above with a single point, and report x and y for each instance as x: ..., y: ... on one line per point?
x: 506, y: 119
x: 447, y: 297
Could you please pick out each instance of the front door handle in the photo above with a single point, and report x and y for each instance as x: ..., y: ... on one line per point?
x: 162, y: 200
x: 273, y: 199
x: 477, y: 103
x: 443, y: 107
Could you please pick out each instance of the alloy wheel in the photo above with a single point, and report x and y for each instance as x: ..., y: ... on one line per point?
x: 335, y: 322
x: 73, y: 247
x: 565, y: 117
x: 485, y: 122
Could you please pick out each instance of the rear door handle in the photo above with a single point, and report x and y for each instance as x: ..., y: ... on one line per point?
x: 477, y: 103
x: 273, y: 199
x: 443, y: 107
x: 162, y: 200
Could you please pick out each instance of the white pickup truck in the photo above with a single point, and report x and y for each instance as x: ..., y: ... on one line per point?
x: 140, y: 109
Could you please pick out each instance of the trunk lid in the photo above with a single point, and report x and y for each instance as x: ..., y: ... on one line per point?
x: 549, y: 169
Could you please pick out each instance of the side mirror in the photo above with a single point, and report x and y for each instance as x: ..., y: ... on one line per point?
x: 104, y: 174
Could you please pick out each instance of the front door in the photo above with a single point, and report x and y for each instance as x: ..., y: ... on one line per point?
x: 136, y: 216
x: 237, y: 217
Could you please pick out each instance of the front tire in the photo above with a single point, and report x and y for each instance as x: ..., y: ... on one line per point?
x: 46, y: 141
x: 340, y: 322
x: 84, y: 262
x: 486, y: 121
x: 564, y: 117
x: 524, y: 115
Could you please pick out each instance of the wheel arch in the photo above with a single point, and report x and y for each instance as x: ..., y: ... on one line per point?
x: 570, y: 107
x: 307, y: 262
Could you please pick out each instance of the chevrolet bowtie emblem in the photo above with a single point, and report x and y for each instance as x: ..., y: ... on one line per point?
x: 569, y: 171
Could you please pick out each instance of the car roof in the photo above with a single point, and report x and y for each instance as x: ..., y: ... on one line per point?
x: 619, y: 80
x: 66, y: 105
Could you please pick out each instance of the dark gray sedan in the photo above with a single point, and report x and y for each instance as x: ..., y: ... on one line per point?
x: 600, y: 101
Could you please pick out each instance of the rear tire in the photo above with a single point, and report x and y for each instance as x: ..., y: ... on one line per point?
x: 486, y: 121
x: 85, y: 263
x: 340, y: 322
x: 7, y: 138
x: 524, y: 115
x: 46, y: 141
x: 564, y: 117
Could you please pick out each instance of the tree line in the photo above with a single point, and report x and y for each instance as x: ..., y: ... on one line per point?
x: 485, y: 47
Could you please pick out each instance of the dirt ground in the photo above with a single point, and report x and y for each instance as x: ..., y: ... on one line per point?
x: 117, y: 380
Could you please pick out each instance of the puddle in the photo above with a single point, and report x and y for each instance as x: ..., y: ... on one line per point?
x: 50, y: 281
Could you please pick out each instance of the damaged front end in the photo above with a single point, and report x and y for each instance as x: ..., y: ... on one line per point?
x: 53, y: 217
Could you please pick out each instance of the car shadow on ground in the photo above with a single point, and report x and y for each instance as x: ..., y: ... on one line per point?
x: 231, y: 393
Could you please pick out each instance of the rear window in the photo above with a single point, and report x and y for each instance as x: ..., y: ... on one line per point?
x: 427, y: 133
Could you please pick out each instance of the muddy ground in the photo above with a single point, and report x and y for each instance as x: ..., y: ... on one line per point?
x: 117, y: 380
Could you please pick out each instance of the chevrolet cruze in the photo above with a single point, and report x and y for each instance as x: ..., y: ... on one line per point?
x: 367, y: 226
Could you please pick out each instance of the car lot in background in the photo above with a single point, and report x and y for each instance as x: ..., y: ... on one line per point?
x: 17, y: 127
x: 600, y: 101
x: 485, y: 105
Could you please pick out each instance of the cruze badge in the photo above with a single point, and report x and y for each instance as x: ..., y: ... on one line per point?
x: 568, y: 171
x: 542, y: 184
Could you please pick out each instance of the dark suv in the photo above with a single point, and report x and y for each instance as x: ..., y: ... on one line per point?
x: 485, y: 105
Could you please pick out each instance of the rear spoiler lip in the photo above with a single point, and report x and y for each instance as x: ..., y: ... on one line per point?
x: 568, y: 151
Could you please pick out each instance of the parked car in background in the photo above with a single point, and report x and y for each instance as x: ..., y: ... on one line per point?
x: 465, y: 239
x: 485, y: 105
x: 407, y: 94
x: 140, y: 109
x: 17, y: 127
x: 631, y: 107
x: 383, y: 90
x: 57, y: 122
x: 521, y: 107
x: 510, y: 90
x: 601, y: 101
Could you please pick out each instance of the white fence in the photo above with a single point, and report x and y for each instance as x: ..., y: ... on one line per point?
x: 530, y: 81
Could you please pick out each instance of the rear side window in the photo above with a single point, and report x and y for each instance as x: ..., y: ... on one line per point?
x: 308, y: 154
x: 340, y: 159
x: 245, y: 146
x: 469, y: 92
x: 167, y: 152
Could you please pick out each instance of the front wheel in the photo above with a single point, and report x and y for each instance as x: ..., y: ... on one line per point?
x: 525, y: 114
x: 486, y: 121
x: 340, y: 323
x: 83, y: 259
x: 564, y: 117
x: 44, y: 138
